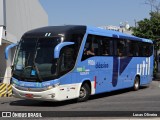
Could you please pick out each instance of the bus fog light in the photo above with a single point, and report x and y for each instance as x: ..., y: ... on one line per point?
x: 52, y: 95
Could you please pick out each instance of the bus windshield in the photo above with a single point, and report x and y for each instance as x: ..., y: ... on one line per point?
x: 35, y: 58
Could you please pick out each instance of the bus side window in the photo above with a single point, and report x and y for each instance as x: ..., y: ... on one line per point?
x: 132, y: 48
x: 141, y: 50
x: 106, y: 47
x: 67, y: 59
x: 90, y: 48
x: 147, y: 50
x: 121, y: 48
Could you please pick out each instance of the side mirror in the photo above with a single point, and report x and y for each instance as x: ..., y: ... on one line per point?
x: 8, y: 48
x: 59, y: 47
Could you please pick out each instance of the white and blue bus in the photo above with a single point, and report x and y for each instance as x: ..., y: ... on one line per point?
x: 59, y: 63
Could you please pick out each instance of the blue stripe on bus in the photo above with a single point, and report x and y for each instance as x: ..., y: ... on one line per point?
x: 34, y: 84
x: 115, y: 71
x: 119, y: 65
x: 124, y: 61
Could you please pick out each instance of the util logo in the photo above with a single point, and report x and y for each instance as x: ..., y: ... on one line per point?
x: 144, y: 68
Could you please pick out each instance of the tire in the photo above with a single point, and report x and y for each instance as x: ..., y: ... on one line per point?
x: 84, y: 93
x: 136, y: 85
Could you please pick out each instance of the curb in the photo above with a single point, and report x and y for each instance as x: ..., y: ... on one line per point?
x: 5, y: 90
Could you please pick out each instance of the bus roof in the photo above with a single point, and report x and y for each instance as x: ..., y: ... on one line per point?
x: 55, y: 30
x: 65, y: 29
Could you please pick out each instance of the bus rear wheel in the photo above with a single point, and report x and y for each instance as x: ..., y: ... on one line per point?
x: 136, y: 83
x: 84, y: 93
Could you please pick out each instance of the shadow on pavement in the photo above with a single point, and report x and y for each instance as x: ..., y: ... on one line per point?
x: 156, y: 79
x: 41, y: 103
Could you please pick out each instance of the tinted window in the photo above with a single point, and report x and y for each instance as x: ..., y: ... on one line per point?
x: 132, y: 48
x: 106, y: 46
x: 91, y: 47
x: 121, y: 47
x: 139, y: 49
x: 97, y: 46
x: 67, y: 59
x: 145, y: 49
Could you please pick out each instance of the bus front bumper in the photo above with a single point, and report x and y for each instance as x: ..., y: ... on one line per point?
x: 47, y: 95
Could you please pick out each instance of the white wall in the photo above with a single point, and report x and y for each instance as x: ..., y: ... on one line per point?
x: 23, y: 15
x: 1, y: 13
x: 18, y: 17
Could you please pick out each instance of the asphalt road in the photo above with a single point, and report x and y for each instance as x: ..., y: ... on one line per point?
x: 145, y: 99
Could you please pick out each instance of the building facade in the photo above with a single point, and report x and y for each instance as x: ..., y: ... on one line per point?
x: 17, y: 17
x: 123, y: 29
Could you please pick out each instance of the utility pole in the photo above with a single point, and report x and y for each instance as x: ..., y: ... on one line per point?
x: 135, y: 23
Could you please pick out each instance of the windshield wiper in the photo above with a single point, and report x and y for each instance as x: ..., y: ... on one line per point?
x: 37, y: 71
x: 34, y: 63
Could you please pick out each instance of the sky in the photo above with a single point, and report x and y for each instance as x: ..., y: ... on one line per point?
x: 95, y: 12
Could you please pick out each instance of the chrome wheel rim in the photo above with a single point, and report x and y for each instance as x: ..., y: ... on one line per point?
x: 136, y: 84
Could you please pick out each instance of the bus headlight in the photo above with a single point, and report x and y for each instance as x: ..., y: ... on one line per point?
x: 52, y: 86
x: 49, y: 87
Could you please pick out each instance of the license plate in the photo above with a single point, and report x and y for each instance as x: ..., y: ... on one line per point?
x: 29, y: 95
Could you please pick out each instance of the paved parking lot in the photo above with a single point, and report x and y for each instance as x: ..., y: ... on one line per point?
x: 146, y: 99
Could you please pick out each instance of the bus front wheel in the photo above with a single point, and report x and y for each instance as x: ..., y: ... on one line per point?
x: 84, y: 93
x: 136, y: 83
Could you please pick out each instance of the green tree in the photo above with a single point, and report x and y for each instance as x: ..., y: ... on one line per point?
x: 148, y: 28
